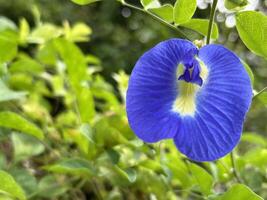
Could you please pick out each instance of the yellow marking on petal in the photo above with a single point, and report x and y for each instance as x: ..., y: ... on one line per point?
x: 185, y: 101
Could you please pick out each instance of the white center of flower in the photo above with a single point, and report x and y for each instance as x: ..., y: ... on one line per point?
x: 184, y: 103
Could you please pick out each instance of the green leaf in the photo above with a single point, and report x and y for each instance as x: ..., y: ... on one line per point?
x: 201, y: 26
x: 14, y: 121
x: 203, y: 178
x: 78, y: 33
x: 74, y: 166
x: 44, y: 33
x: 263, y: 98
x: 10, y: 187
x: 235, y: 4
x: 26, y: 64
x: 26, y: 146
x: 78, y: 77
x: 49, y: 187
x: 25, y: 179
x: 249, y: 71
x: 184, y: 10
x: 6, y: 94
x: 84, y: 2
x: 165, y: 12
x: 252, y: 29
x: 239, y: 191
x: 254, y: 138
x: 8, y: 47
x: 6, y: 23
x: 147, y: 4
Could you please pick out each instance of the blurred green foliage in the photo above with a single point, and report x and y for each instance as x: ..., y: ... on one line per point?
x: 64, y: 132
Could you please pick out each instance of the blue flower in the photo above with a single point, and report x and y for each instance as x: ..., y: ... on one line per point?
x: 197, y: 97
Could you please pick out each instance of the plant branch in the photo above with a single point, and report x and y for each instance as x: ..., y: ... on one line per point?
x: 235, y: 172
x: 178, y: 30
x: 212, y: 15
x: 260, y: 92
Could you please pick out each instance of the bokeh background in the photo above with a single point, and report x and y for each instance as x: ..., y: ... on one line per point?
x: 118, y: 37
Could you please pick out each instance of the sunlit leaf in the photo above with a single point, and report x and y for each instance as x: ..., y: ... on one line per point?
x: 239, y: 191
x: 9, y: 186
x: 26, y: 146
x: 26, y: 64
x: 8, y: 46
x: 249, y: 71
x: 201, y: 26
x: 6, y: 23
x: 6, y: 94
x: 78, y: 77
x: 74, y: 166
x: 164, y: 11
x: 147, y: 4
x: 84, y: 2
x: 235, y: 4
x: 254, y: 138
x: 252, y: 28
x: 184, y: 10
x: 203, y: 178
x: 14, y: 121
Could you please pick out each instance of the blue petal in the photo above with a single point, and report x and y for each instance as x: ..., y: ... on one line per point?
x: 221, y: 106
x: 152, y: 91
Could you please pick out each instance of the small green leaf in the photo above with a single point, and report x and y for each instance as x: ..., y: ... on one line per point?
x: 14, y: 121
x: 252, y: 29
x: 239, y: 191
x: 26, y: 146
x: 249, y: 71
x: 203, y: 178
x: 235, y: 4
x: 184, y: 10
x: 6, y: 94
x: 49, y: 187
x: 201, y: 26
x: 6, y: 23
x: 254, y: 138
x: 263, y: 98
x: 148, y: 4
x: 74, y: 166
x: 165, y: 12
x: 84, y: 2
x: 26, y: 64
x: 9, y: 186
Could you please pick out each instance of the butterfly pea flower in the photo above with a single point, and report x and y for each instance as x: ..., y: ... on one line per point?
x: 197, y: 97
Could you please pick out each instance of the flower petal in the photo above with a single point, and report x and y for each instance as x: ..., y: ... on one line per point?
x: 152, y: 91
x: 221, y: 106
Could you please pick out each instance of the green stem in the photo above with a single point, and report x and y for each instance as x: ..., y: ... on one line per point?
x: 235, y: 172
x: 178, y: 30
x: 212, y: 15
x: 260, y: 92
